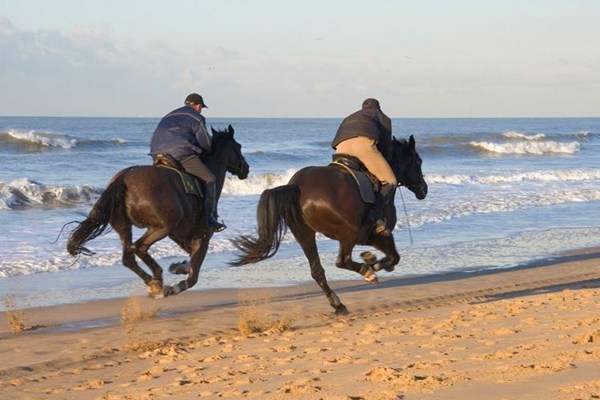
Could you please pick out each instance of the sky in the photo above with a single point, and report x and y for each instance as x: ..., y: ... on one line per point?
x: 311, y: 58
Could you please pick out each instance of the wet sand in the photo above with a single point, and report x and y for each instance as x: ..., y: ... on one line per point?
x: 531, y: 332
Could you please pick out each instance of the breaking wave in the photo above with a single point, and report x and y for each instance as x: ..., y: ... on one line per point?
x: 25, y: 193
x: 518, y: 135
x: 529, y: 146
x: 33, y: 141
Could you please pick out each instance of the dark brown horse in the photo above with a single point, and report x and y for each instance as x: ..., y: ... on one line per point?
x: 327, y: 200
x: 154, y: 198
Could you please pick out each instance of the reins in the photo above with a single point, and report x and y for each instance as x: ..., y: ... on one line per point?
x: 406, y: 215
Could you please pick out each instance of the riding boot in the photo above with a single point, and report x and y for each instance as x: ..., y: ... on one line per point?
x: 386, y: 195
x: 210, y: 207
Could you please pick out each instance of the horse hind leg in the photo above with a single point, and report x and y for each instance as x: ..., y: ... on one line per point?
x: 141, y: 247
x: 306, y: 238
x: 128, y: 257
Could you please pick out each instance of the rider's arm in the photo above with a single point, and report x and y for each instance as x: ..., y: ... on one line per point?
x: 202, y: 136
x: 385, y: 137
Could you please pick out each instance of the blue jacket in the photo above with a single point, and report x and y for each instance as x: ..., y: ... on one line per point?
x: 180, y: 134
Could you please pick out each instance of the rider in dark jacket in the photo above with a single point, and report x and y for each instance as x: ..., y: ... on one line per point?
x: 367, y: 135
x: 182, y: 134
x: 370, y: 122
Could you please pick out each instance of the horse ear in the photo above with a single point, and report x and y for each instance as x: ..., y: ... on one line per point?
x: 212, y: 130
x: 230, y: 130
x: 411, y: 141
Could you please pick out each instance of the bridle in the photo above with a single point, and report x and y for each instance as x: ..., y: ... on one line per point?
x: 236, y: 169
x: 403, y: 171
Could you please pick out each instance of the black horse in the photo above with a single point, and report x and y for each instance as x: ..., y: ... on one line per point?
x: 326, y: 199
x: 154, y: 198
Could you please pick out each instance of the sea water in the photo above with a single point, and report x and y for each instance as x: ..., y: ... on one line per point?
x: 502, y: 192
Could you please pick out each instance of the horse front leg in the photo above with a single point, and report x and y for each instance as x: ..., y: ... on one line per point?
x: 198, y: 253
x: 344, y: 260
x: 386, y: 245
x: 123, y: 228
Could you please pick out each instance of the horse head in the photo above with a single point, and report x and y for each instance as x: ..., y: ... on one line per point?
x: 227, y: 151
x: 406, y: 164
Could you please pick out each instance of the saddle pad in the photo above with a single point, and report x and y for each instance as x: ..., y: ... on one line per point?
x: 364, y: 183
x: 188, y: 181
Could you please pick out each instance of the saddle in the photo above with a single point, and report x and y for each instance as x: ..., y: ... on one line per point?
x: 367, y: 183
x: 191, y: 184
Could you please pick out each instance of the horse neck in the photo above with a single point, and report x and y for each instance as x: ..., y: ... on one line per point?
x: 218, y: 167
x: 401, y: 163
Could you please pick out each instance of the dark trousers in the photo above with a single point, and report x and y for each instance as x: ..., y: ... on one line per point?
x: 194, y: 166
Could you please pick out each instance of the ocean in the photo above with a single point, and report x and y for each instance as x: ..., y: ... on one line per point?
x: 502, y: 192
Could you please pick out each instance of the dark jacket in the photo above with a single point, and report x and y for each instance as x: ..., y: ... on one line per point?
x: 369, y: 122
x: 180, y: 134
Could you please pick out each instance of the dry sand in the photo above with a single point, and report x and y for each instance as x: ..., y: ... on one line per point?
x: 525, y: 333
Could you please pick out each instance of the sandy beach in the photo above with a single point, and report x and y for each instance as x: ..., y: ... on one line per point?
x: 531, y: 332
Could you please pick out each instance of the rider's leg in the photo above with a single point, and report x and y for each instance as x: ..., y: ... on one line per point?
x: 366, y: 150
x: 387, y: 194
x: 194, y: 166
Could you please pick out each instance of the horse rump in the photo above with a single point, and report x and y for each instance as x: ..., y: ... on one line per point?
x: 276, y: 209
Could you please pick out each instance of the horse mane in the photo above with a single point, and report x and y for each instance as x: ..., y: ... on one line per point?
x: 401, y: 140
x: 223, y: 134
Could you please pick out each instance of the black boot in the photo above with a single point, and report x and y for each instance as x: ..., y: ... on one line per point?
x: 210, y: 206
x: 385, y: 196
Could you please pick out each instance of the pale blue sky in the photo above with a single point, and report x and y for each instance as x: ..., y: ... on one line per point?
x: 269, y: 58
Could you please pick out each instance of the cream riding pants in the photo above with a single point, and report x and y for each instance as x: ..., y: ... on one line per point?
x: 366, y: 151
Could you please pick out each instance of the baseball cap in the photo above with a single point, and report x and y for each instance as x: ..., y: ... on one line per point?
x: 195, y: 98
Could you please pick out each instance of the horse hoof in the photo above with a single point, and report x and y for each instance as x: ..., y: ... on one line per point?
x: 368, y: 274
x: 341, y: 310
x: 155, y: 289
x: 370, y: 277
x: 171, y: 290
x: 368, y: 257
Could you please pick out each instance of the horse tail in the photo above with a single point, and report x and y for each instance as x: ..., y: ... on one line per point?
x: 98, y: 219
x: 277, y: 207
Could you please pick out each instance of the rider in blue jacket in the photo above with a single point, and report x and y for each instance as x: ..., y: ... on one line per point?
x: 182, y: 134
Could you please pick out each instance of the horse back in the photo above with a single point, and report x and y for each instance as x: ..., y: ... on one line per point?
x: 155, y: 196
x: 329, y: 199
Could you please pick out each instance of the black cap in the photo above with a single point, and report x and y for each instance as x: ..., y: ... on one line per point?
x: 195, y: 98
x: 371, y: 103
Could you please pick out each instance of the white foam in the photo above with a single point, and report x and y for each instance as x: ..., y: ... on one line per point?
x: 529, y: 147
x: 255, y: 184
x: 492, y: 203
x: 518, y: 135
x: 533, y: 176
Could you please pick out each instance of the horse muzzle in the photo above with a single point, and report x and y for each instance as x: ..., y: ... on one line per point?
x: 243, y: 172
x: 420, y: 190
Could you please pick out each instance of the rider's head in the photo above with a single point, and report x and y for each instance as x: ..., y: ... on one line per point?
x: 195, y: 101
x: 371, y: 103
